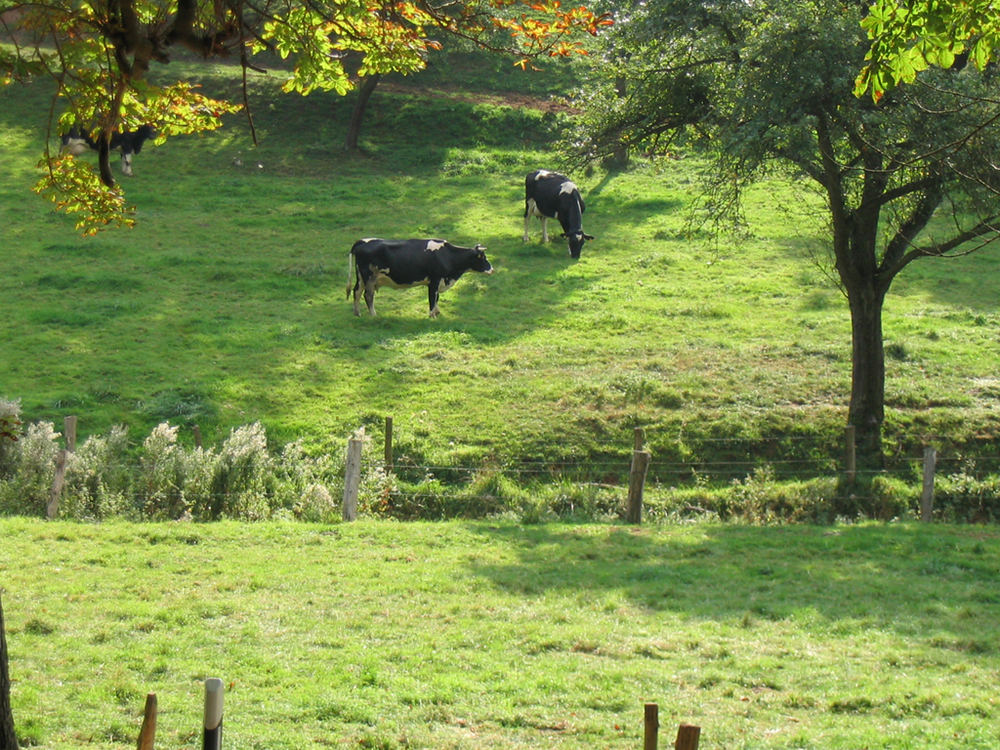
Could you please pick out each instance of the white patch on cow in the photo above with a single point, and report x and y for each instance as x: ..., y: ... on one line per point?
x: 533, y: 209
x: 567, y: 187
x: 541, y: 174
x: 433, y: 245
x: 369, y: 239
x: 76, y: 146
x: 127, y: 165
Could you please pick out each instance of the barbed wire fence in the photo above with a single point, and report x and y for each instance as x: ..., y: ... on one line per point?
x: 469, y: 487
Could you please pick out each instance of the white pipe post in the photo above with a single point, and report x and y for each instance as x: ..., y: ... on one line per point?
x: 213, y: 714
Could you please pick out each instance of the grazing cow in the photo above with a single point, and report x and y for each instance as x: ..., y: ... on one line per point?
x: 406, y: 263
x: 550, y: 195
x: 77, y: 141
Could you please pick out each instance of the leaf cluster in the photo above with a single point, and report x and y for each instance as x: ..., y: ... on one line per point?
x: 99, y: 55
x: 909, y: 37
x: 751, y: 83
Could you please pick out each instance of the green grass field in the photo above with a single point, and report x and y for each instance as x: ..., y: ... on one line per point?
x: 490, y: 634
x: 226, y: 306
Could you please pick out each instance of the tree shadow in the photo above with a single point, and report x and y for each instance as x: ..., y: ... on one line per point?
x: 880, y: 577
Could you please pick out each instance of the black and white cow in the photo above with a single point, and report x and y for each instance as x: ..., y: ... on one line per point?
x: 405, y: 263
x: 78, y: 141
x: 550, y: 195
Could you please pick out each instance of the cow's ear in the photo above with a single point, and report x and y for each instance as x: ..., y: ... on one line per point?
x: 480, y: 248
x: 588, y: 237
x: 564, y: 235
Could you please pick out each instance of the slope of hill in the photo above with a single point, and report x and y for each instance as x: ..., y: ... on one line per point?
x: 226, y: 304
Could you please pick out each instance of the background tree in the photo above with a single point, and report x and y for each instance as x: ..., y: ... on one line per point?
x: 99, y: 54
x: 765, y: 90
x: 909, y: 37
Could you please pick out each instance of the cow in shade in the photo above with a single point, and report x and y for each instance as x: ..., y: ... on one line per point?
x: 438, y: 264
x: 550, y: 195
x: 78, y: 141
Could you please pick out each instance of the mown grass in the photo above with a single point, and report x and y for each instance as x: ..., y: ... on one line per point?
x: 492, y: 634
x: 226, y: 305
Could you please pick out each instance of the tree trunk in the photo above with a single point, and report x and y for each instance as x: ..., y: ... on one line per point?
x: 867, y: 408
x: 8, y: 740
x: 365, y: 90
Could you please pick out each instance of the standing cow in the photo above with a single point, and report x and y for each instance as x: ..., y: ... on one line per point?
x: 406, y: 263
x: 550, y: 195
x: 77, y: 141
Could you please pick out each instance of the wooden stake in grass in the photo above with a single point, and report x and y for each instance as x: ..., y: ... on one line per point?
x: 147, y: 734
x: 352, y: 477
x: 8, y: 739
x: 388, y: 445
x: 927, y: 496
x: 59, y: 479
x: 213, y: 714
x: 636, y: 483
x: 651, y: 726
x: 687, y: 737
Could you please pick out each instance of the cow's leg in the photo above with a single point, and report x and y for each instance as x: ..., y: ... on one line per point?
x: 433, y: 296
x: 357, y: 293
x: 545, y: 229
x: 529, y: 210
x: 370, y: 295
x: 127, y: 163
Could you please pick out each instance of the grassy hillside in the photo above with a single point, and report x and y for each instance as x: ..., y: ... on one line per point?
x: 226, y: 304
x: 467, y: 635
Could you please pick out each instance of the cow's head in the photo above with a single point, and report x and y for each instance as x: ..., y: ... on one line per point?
x: 479, y: 262
x: 576, y: 240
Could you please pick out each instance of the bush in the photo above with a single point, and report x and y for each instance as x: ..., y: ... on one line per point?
x: 240, y: 484
x: 761, y: 499
x: 32, y: 471
x: 966, y: 497
x: 98, y: 478
x: 162, y: 471
x: 10, y: 430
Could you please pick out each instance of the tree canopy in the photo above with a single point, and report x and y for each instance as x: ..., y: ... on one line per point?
x: 911, y: 36
x: 99, y: 54
x: 767, y: 90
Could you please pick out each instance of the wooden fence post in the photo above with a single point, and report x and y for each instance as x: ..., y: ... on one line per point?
x: 147, y: 734
x: 927, y: 497
x: 213, y: 714
x: 69, y: 430
x: 352, y: 477
x: 8, y: 738
x: 388, y: 445
x: 62, y: 458
x: 687, y: 737
x: 197, y: 435
x: 851, y: 459
x: 651, y: 725
x: 637, y: 477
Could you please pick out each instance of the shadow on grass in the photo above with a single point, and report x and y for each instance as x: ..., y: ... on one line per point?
x: 911, y: 578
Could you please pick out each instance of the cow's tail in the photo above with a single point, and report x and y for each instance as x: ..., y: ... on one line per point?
x: 352, y: 272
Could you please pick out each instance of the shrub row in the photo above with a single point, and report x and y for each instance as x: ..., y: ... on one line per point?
x: 245, y: 479
x: 105, y: 478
